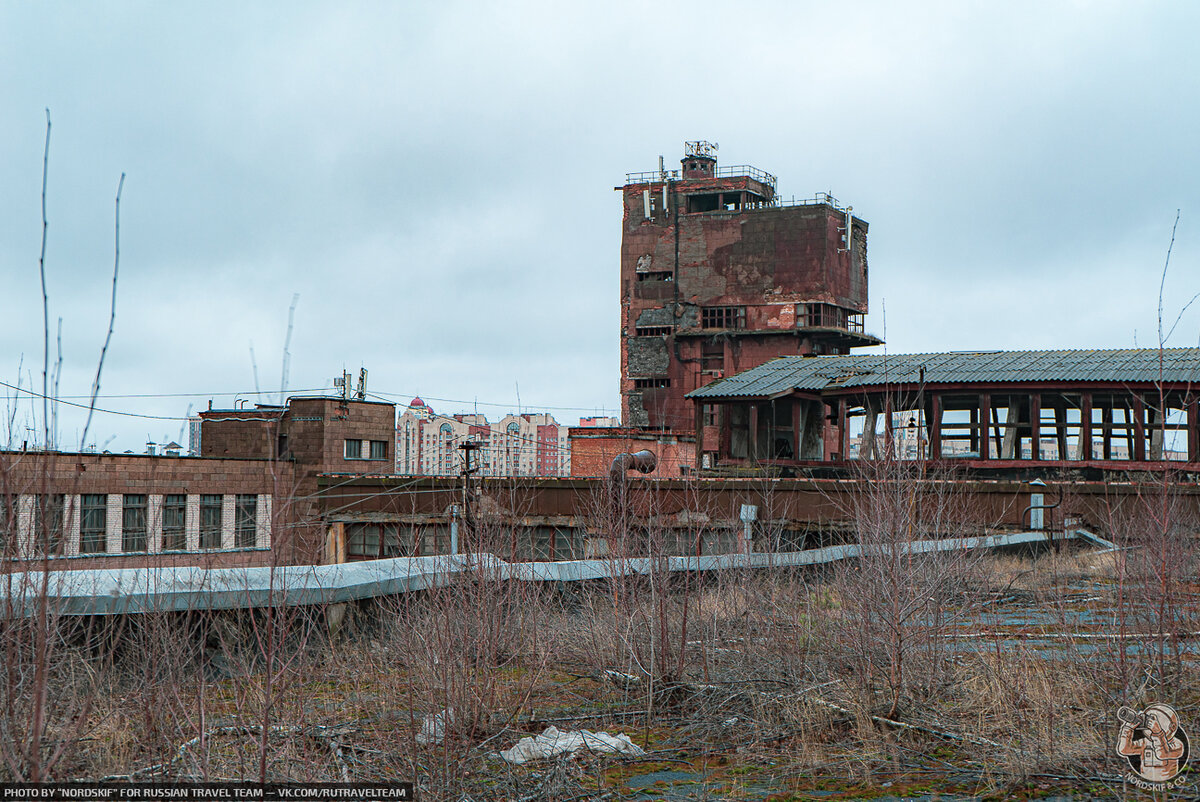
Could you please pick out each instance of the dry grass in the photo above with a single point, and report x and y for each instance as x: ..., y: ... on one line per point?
x: 770, y: 683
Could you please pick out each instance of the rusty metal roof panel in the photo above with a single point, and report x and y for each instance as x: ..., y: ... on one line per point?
x: 816, y: 373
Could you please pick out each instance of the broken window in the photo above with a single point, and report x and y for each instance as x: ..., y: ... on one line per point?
x: 709, y: 202
x: 723, y: 317
x: 649, y: 384
x: 652, y: 331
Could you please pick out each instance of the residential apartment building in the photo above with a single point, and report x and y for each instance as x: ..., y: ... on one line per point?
x: 529, y: 444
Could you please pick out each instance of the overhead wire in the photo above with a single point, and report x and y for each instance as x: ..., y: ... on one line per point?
x: 63, y: 400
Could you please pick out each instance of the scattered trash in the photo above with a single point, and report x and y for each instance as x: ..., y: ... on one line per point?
x: 553, y: 742
x: 433, y: 728
x: 621, y: 679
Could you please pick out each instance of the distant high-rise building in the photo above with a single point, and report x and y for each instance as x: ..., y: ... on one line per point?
x: 427, y: 444
x: 194, y: 429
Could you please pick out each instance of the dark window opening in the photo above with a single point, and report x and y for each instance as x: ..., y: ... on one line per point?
x: 49, y: 524
x: 723, y: 317
x: 652, y: 331
x: 656, y: 275
x: 174, y: 517
x: 828, y: 316
x: 133, y: 522
x: 92, y: 523
x: 377, y: 541
x: 210, y: 521
x: 703, y: 203
x: 8, y: 521
x: 650, y: 384
x: 709, y: 414
x: 244, y: 512
x: 712, y: 358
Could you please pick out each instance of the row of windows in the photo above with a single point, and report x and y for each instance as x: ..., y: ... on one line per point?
x: 814, y: 315
x: 375, y: 449
x: 49, y: 528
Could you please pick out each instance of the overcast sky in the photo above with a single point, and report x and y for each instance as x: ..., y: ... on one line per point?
x: 435, y: 181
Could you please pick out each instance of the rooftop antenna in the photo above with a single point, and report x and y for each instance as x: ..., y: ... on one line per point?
x: 361, y: 391
x: 662, y: 176
x: 343, y: 382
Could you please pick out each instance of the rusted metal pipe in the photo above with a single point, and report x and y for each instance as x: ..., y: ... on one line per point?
x: 642, y: 461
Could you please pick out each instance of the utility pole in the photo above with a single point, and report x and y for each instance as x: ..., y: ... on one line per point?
x: 469, y: 469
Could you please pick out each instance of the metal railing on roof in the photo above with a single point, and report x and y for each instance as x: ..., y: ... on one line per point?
x: 761, y: 176
x: 736, y: 171
x: 651, y: 177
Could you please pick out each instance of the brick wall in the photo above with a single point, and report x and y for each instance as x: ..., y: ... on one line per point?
x: 593, y: 450
x: 28, y: 479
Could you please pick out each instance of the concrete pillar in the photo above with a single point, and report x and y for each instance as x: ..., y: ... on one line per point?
x: 1139, y: 429
x: 935, y: 427
x: 1012, y: 427
x: 870, y: 420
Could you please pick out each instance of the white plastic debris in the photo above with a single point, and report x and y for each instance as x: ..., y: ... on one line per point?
x: 553, y: 742
x: 433, y: 728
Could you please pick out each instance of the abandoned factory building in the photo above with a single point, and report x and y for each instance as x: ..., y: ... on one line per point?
x: 720, y: 274
x: 739, y: 311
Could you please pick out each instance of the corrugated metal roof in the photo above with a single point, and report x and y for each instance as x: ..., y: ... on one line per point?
x: 816, y: 373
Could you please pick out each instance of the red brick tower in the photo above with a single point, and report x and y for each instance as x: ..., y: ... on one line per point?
x: 719, y: 275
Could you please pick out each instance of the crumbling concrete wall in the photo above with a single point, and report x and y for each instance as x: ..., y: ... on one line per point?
x: 648, y: 356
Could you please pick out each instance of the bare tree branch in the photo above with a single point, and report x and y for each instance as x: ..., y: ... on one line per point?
x: 45, y: 295
x: 112, y: 315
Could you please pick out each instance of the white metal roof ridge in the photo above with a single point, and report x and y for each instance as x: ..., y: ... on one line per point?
x: 116, y: 591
